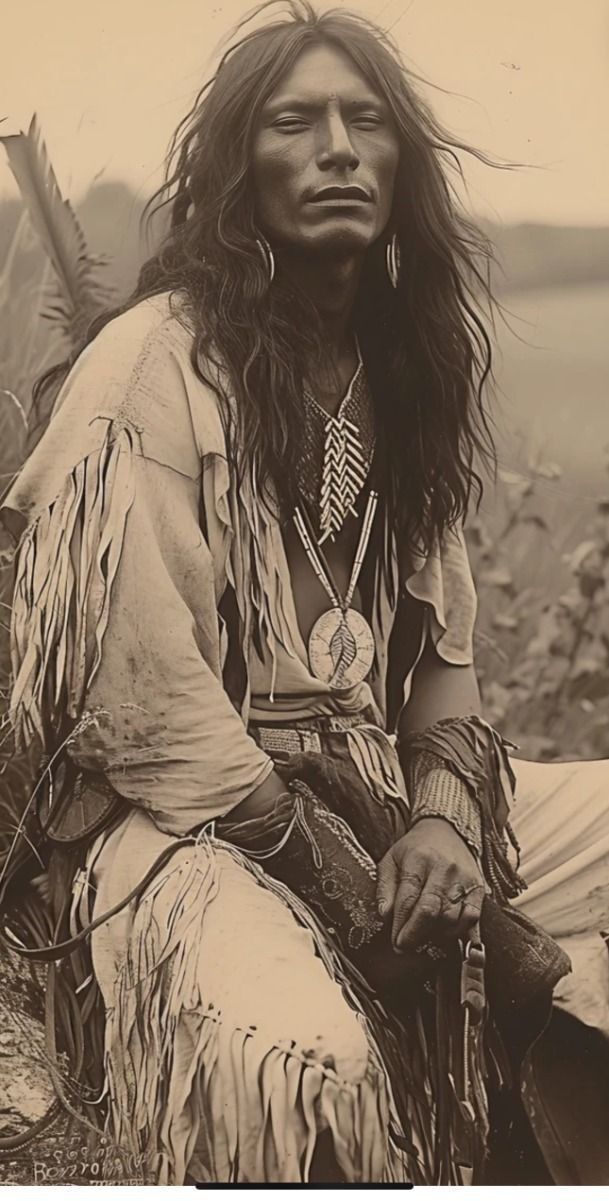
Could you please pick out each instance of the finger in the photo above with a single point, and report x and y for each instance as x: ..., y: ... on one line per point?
x: 387, y: 882
x: 449, y: 922
x: 470, y: 915
x: 409, y: 888
x: 423, y: 920
x: 417, y: 878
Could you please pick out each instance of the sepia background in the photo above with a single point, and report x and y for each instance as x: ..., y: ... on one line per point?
x: 525, y: 83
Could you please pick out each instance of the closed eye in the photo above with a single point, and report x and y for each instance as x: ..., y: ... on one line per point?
x: 291, y: 124
x: 367, y: 121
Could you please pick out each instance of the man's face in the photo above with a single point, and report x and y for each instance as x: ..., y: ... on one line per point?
x: 325, y: 156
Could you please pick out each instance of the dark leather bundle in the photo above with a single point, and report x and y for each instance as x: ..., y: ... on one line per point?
x: 314, y: 852
x: 523, y: 962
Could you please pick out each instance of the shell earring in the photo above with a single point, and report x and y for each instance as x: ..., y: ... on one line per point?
x: 392, y: 261
x: 267, y: 256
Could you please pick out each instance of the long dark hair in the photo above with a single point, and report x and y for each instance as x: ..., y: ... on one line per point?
x: 425, y: 344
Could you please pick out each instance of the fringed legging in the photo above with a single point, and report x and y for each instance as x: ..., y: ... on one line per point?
x: 231, y: 1040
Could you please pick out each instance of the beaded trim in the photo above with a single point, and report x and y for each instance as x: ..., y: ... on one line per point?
x: 337, y: 454
x: 287, y: 742
x: 440, y: 793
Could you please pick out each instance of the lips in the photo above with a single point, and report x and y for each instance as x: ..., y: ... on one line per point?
x: 340, y: 193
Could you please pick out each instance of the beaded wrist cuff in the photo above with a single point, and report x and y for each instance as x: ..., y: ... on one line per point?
x: 440, y: 793
x: 470, y: 750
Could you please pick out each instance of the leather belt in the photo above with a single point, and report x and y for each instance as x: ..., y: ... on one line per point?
x: 305, y: 735
x: 280, y: 741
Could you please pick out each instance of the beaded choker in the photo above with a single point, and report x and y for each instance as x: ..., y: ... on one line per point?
x: 337, y: 454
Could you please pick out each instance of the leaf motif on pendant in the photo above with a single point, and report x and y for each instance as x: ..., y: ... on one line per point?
x: 343, y: 649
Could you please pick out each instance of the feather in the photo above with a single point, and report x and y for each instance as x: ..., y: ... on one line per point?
x: 81, y: 294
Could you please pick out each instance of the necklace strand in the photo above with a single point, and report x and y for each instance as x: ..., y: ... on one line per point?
x: 319, y: 562
x: 337, y: 454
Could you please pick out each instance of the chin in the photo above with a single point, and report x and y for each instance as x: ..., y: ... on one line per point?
x: 346, y: 240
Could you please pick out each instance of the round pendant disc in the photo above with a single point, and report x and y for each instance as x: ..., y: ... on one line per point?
x: 341, y: 648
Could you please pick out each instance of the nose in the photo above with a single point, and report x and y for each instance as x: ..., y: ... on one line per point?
x: 335, y: 148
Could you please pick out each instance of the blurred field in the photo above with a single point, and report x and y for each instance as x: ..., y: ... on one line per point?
x: 540, y: 547
x: 553, y: 406
x: 555, y: 377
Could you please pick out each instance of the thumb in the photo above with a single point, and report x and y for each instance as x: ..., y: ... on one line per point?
x: 387, y: 883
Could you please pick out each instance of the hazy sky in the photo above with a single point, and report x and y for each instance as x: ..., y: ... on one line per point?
x: 529, y: 80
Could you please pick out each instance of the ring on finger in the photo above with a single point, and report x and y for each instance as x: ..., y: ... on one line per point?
x: 459, y: 897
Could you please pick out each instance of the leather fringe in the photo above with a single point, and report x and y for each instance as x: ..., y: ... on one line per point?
x: 186, y: 1093
x: 66, y: 564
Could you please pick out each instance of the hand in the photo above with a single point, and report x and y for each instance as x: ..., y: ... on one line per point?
x: 431, y: 884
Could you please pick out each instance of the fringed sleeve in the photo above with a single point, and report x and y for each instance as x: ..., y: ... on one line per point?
x: 115, y: 631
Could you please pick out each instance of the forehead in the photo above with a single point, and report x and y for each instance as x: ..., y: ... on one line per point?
x: 321, y: 72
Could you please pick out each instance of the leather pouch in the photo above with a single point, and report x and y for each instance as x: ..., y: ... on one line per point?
x: 77, y: 806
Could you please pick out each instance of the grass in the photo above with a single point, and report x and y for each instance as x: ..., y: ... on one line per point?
x: 543, y: 629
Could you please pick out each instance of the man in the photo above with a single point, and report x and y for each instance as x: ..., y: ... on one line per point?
x: 242, y: 637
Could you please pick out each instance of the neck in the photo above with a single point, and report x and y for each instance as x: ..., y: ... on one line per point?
x: 331, y: 284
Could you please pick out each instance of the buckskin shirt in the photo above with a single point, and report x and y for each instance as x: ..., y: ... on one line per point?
x: 233, y: 1036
